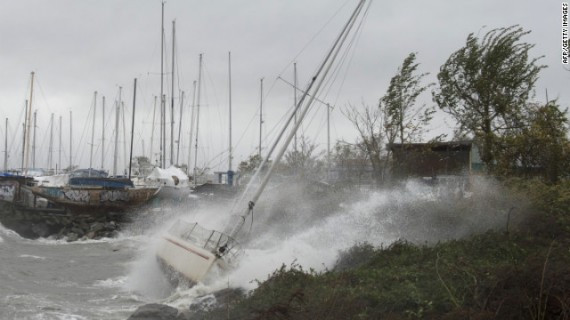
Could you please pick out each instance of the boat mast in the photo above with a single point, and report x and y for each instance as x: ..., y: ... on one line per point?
x: 70, y: 140
x: 60, y: 144
x: 260, y: 114
x: 50, y: 156
x: 192, y: 118
x: 34, y: 139
x: 325, y: 67
x: 29, y: 120
x: 24, y: 135
x: 197, y: 121
x: 172, y: 98
x: 230, y: 107
x: 117, y: 116
x: 93, y: 131
x: 152, y: 128
x: 6, y: 147
x: 133, y: 127
x: 103, y: 133
x: 124, y: 137
x: 162, y: 111
x: 179, y: 128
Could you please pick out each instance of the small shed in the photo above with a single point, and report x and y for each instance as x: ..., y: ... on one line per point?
x: 435, y: 159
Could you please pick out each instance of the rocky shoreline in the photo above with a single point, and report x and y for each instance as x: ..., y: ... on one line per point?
x: 60, y: 224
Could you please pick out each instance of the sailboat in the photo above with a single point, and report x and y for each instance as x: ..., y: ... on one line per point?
x: 192, y: 251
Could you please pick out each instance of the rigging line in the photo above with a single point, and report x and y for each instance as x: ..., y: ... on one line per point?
x: 314, y: 37
x: 82, y: 146
x: 38, y: 84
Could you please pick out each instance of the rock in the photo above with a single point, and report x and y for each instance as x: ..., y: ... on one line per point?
x: 41, y: 229
x: 96, y: 227
x: 156, y: 311
x: 90, y: 235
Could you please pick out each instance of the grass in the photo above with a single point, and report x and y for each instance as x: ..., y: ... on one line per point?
x: 516, y: 273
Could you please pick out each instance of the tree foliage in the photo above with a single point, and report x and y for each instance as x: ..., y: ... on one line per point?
x: 486, y: 84
x: 304, y: 160
x: 403, y: 119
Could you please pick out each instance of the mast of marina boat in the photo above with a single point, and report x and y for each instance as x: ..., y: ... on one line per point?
x: 260, y: 114
x: 179, y: 128
x: 124, y: 136
x: 133, y: 127
x: 162, y: 111
x: 172, y: 97
x: 50, y: 154
x: 29, y: 121
x: 197, y: 121
x: 24, y: 135
x: 93, y: 131
x: 324, y: 69
x: 103, y: 133
x: 70, y: 141
x: 230, y: 107
x: 152, y: 128
x: 117, y: 116
x: 34, y: 139
x: 192, y: 116
x: 6, y: 147
x: 60, y: 140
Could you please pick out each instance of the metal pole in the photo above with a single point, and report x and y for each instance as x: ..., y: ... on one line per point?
x: 50, y: 157
x: 70, y: 141
x: 133, y: 127
x: 34, y: 139
x: 93, y: 131
x: 295, y: 100
x: 197, y: 121
x: 162, y: 113
x: 260, y: 114
x: 172, y: 98
x: 6, y: 147
x: 152, y: 128
x: 230, y: 107
x: 192, y: 117
x: 29, y: 121
x: 103, y: 134
x: 60, y: 142
x: 179, y: 128
x: 117, y: 116
x: 24, y: 136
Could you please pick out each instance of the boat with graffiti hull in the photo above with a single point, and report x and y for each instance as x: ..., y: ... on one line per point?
x: 96, y: 194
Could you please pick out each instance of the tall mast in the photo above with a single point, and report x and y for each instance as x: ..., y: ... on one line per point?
x: 24, y: 125
x: 152, y: 129
x: 295, y: 101
x: 93, y: 131
x: 50, y: 155
x: 162, y: 111
x: 29, y: 120
x: 328, y: 138
x: 34, y: 139
x: 117, y: 116
x: 60, y: 143
x: 260, y: 114
x: 197, y: 120
x: 230, y: 107
x: 172, y: 98
x: 124, y: 135
x: 70, y: 141
x: 192, y: 118
x: 133, y: 127
x: 6, y: 147
x: 179, y: 128
x: 103, y: 134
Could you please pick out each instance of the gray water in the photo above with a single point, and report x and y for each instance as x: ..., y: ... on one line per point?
x: 110, y: 278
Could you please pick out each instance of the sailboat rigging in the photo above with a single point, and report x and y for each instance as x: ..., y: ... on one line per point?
x: 191, y: 250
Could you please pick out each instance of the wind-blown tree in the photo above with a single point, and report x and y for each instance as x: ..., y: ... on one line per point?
x: 541, y: 146
x: 304, y: 160
x: 402, y: 118
x: 486, y: 85
x: 368, y: 121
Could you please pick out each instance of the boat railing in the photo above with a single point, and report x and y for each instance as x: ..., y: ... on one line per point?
x: 219, y: 243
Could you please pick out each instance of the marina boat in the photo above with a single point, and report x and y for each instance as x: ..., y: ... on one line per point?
x: 190, y: 251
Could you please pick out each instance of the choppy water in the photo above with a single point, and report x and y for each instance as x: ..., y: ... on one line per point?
x: 110, y: 278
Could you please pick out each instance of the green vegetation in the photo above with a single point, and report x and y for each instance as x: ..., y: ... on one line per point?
x: 520, y: 272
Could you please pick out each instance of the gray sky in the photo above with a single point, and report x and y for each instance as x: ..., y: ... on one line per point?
x: 78, y: 47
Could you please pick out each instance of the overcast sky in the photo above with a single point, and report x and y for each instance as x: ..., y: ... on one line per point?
x: 76, y: 47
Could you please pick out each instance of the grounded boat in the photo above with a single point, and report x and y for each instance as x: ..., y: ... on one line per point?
x: 192, y: 251
x: 96, y: 193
